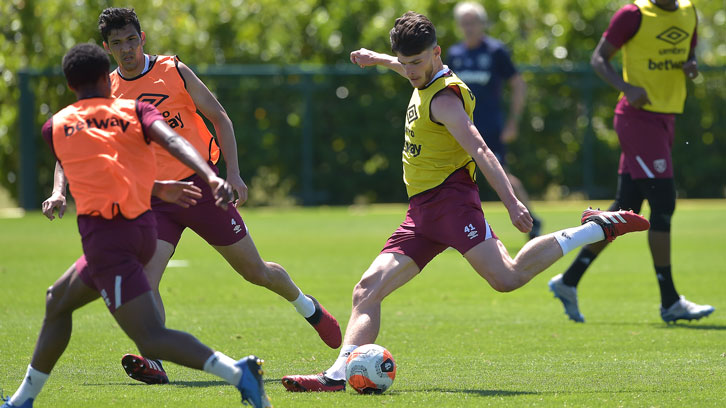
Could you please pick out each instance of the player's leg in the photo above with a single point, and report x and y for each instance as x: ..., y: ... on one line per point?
x: 156, y: 341
x: 564, y: 286
x: 141, y: 367
x: 661, y: 197
x: 492, y: 261
x: 388, y: 272
x: 246, y: 260
x: 154, y: 270
x: 67, y: 294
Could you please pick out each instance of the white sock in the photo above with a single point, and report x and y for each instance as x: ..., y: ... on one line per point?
x: 30, y: 388
x: 224, y: 367
x: 337, y: 370
x: 304, y: 305
x: 572, y: 238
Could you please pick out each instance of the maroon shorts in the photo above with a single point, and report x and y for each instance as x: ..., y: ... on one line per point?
x: 218, y: 227
x: 646, y: 140
x: 449, y: 215
x: 115, y: 252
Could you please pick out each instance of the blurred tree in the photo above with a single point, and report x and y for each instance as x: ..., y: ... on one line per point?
x: 356, y: 119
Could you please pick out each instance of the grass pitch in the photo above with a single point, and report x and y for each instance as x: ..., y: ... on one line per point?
x: 457, y: 342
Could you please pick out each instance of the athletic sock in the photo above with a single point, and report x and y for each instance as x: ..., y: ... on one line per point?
x: 572, y: 238
x: 223, y: 367
x: 337, y: 370
x: 574, y: 273
x: 668, y: 294
x: 304, y: 305
x: 30, y: 388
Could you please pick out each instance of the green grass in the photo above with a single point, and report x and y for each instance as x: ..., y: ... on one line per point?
x: 457, y: 342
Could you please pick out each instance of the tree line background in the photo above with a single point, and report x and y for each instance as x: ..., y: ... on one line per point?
x: 355, y: 116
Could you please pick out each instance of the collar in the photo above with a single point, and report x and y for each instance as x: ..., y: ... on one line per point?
x: 145, y: 70
x: 438, y: 75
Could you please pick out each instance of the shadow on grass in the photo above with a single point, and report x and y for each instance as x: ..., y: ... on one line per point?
x: 181, y: 384
x: 481, y: 393
x: 688, y: 326
x: 671, y: 326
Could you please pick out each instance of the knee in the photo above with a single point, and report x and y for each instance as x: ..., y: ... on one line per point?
x: 661, y: 214
x: 507, y: 282
x: 53, y: 304
x: 504, y: 285
x: 364, y: 293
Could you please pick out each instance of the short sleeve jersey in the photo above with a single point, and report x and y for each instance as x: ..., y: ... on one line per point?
x: 164, y: 87
x: 103, y: 147
x: 484, y: 69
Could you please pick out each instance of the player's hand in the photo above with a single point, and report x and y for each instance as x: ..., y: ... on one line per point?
x: 239, y: 187
x: 637, y: 97
x: 223, y: 194
x: 520, y: 217
x: 182, y: 193
x: 54, y: 201
x: 690, y: 68
x: 509, y: 133
x: 364, y: 58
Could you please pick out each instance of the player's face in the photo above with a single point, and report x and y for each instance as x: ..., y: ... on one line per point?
x: 471, y: 26
x: 420, y: 67
x: 126, y: 45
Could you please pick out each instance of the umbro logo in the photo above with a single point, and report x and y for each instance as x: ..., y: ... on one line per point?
x: 152, y: 98
x: 411, y: 114
x: 672, y: 35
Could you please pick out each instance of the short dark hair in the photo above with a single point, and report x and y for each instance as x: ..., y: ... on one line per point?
x: 114, y: 18
x: 412, y: 33
x: 84, y: 64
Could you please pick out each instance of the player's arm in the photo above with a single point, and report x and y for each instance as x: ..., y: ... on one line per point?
x: 182, y: 193
x: 366, y: 58
x: 57, y: 198
x: 516, y: 107
x: 213, y: 110
x: 447, y: 109
x: 600, y: 62
x: 690, y: 67
x: 161, y: 133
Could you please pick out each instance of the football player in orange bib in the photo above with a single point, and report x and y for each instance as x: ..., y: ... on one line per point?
x: 178, y: 94
x: 104, y: 146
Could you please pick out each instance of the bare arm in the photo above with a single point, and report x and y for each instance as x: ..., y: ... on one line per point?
x: 213, y: 110
x: 161, y: 133
x: 447, y: 109
x: 516, y: 107
x: 57, y: 198
x: 600, y: 62
x: 366, y: 58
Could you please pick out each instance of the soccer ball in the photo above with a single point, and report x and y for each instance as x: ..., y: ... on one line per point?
x: 370, y: 369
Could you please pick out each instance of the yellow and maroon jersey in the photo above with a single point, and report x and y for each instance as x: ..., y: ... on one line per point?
x: 106, y: 157
x: 430, y: 153
x: 163, y: 86
x: 653, y: 58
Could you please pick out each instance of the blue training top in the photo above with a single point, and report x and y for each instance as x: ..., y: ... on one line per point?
x: 485, y: 69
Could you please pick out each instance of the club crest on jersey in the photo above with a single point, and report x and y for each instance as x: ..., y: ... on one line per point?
x: 411, y: 114
x: 660, y: 165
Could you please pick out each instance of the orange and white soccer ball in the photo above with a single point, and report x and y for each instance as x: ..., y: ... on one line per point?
x: 370, y: 369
